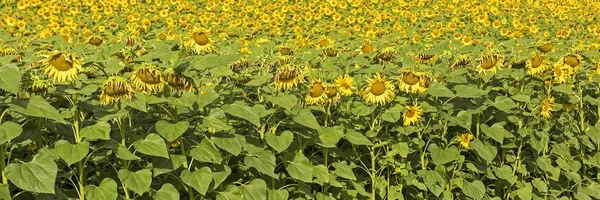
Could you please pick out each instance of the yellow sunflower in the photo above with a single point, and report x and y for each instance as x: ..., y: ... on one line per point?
x: 199, y: 41
x: 490, y: 63
x: 288, y: 76
x: 115, y: 88
x: 574, y: 61
x: 176, y: 81
x: 461, y: 61
x: 561, y: 73
x: 595, y: 71
x: 545, y: 48
x: 547, y: 107
x: 378, y: 91
x: 36, y: 85
x: 147, y: 79
x: 465, y: 140
x: 95, y: 40
x: 333, y: 96
x: 412, y: 115
x: 346, y: 84
x: 317, y: 94
x: 386, y: 55
x: 537, y: 64
x: 412, y: 82
x: 367, y: 47
x: 61, y: 67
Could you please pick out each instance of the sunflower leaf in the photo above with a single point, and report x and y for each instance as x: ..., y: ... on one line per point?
x: 241, y: 110
x: 10, y: 78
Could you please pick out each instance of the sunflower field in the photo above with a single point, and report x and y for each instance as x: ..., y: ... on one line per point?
x: 323, y: 99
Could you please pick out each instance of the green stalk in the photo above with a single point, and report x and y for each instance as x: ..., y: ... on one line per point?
x: 2, y: 154
x: 189, y: 189
x: 81, y: 166
x: 373, y: 173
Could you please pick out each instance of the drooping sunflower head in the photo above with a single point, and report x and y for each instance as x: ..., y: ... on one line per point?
x: 386, y: 55
x: 199, y: 41
x: 378, y: 90
x: 330, y: 51
x: 288, y: 76
x: 61, y: 66
x: 595, y: 71
x: 412, y: 115
x: 177, y: 81
x: 490, y: 63
x: 324, y: 41
x: 561, y: 73
x: 427, y: 59
x: 285, y: 50
x: 239, y: 64
x: 115, y: 88
x: 95, y: 40
x: 90, y: 71
x: 413, y: 82
x: 547, y: 107
x: 147, y: 79
x: 317, y: 95
x: 462, y: 61
x: 465, y: 139
x: 345, y: 84
x: 12, y: 52
x: 537, y: 64
x: 367, y: 47
x: 36, y: 85
x: 545, y: 47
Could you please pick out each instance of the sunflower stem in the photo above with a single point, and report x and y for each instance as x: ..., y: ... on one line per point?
x: 3, y: 164
x: 581, y: 111
x: 373, y: 173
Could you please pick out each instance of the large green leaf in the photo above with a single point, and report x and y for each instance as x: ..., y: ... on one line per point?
x: 10, y: 78
x: 279, y: 142
x: 98, y: 131
x: 330, y: 136
x: 263, y: 161
x: 199, y: 180
x: 475, y: 189
x: 229, y: 143
x: 594, y: 133
x: 220, y: 174
x: 256, y: 190
x: 468, y: 91
x: 206, y: 151
x: 139, y: 181
x: 286, y: 101
x: 166, y: 192
x: 435, y: 182
x: 241, y: 110
x: 217, y: 121
x: 4, y: 191
x: 107, y: 190
x: 9, y: 130
x: 344, y: 170
x: 71, y: 153
x: 152, y: 145
x: 300, y: 168
x: 306, y: 118
x: 485, y: 151
x: 38, y: 175
x: 497, y: 133
x: 281, y: 194
x: 442, y: 156
x: 37, y: 106
x: 171, y: 131
x: 439, y: 90
x: 357, y: 138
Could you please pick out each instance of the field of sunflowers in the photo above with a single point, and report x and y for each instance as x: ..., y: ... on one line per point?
x: 323, y: 99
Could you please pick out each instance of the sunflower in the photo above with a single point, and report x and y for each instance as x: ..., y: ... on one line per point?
x: 427, y: 59
x: 574, y: 61
x: 324, y: 41
x: 288, y: 76
x: 547, y: 107
x: 465, y: 139
x: 177, y: 81
x: 36, y: 85
x: 595, y: 71
x: 461, y: 61
x: 147, y: 79
x: 367, y: 47
x: 239, y: 64
x: 330, y: 51
x: 199, y: 41
x: 412, y: 82
x: 95, y: 40
x: 490, y: 63
x: 333, y: 96
x: 386, y: 55
x: 115, y: 88
x: 346, y: 84
x: 175, y: 143
x: 545, y: 48
x: 317, y: 94
x: 562, y: 73
x: 61, y: 67
x: 412, y: 115
x: 378, y: 91
x: 537, y: 64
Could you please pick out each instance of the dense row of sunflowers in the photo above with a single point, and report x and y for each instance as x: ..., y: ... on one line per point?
x: 399, y: 57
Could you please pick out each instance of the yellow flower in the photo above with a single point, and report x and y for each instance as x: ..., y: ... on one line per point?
x: 573, y: 61
x: 199, y: 41
x: 378, y: 91
x: 176, y: 81
x: 36, y: 85
x: 490, y: 63
x: 412, y: 115
x: 547, y: 107
x: 427, y: 59
x: 61, y: 67
x: 288, y: 76
x: 346, y: 84
x: 412, y: 82
x: 386, y: 55
x: 537, y: 64
x: 115, y: 88
x: 317, y: 94
x: 465, y: 139
x: 461, y: 61
x: 333, y: 96
x: 95, y: 40
x: 147, y: 79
